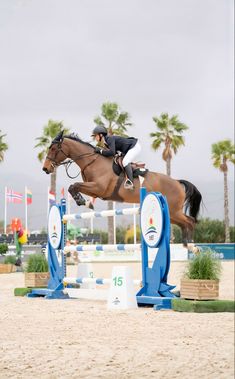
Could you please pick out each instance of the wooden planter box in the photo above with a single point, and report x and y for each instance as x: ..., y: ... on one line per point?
x: 198, y: 289
x: 36, y: 279
x: 7, y: 268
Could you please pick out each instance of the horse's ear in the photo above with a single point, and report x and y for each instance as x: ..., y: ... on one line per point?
x: 59, y: 137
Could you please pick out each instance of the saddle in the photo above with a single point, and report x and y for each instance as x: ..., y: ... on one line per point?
x: 138, y: 168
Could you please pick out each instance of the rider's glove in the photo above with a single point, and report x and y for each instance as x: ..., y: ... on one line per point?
x: 98, y: 150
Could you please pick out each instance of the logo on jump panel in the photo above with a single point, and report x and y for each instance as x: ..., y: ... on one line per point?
x: 54, y: 234
x: 151, y: 230
x: 54, y: 227
x: 151, y: 220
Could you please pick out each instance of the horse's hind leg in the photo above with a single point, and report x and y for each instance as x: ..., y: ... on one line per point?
x: 186, y: 235
x: 187, y: 225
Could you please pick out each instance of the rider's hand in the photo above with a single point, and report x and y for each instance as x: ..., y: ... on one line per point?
x: 98, y: 150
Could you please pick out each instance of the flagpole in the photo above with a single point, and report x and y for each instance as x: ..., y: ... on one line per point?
x: 91, y: 220
x: 68, y: 205
x: 5, y: 212
x: 26, y: 209
x: 92, y: 226
x: 48, y: 189
x: 134, y: 222
x: 114, y: 224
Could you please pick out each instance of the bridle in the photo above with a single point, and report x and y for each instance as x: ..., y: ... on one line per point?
x: 53, y: 160
x: 67, y: 163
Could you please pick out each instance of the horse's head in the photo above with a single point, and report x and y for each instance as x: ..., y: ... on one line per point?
x: 57, y: 153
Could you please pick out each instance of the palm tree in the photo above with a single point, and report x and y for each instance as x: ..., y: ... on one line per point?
x: 116, y: 123
x: 222, y: 153
x: 113, y: 119
x: 169, y: 134
x: 3, y: 146
x: 50, y: 131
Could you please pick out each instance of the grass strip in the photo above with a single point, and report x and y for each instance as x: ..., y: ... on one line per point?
x: 203, y: 306
x: 22, y: 291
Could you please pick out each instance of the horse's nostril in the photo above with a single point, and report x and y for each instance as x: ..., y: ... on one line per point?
x: 45, y: 170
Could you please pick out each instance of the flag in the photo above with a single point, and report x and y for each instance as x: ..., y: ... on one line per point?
x: 29, y: 197
x: 13, y: 197
x: 51, y: 197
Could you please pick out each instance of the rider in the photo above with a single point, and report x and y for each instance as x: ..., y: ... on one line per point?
x: 129, y: 146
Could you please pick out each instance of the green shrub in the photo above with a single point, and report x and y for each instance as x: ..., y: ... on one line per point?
x: 3, y: 248
x: 177, y: 234
x: 129, y: 234
x: 204, y: 266
x: 103, y: 236
x: 37, y: 263
x: 10, y: 260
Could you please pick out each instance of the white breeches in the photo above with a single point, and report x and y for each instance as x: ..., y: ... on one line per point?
x: 131, y: 154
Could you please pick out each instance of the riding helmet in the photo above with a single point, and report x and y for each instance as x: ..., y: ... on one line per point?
x: 99, y: 129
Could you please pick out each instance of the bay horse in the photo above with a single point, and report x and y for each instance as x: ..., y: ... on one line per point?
x: 100, y: 181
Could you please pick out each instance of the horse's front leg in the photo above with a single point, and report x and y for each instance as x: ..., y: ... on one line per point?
x: 86, y: 188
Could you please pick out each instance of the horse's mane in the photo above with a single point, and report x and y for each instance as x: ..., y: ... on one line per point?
x: 75, y: 137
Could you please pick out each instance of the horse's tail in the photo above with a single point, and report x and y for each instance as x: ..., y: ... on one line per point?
x: 193, y: 199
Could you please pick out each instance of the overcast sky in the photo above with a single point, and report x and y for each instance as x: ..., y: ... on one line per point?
x: 62, y: 59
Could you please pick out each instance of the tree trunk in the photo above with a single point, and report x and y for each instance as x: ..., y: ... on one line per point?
x: 226, y: 214
x: 168, y: 166
x: 168, y: 172
x: 53, y: 182
x: 110, y: 225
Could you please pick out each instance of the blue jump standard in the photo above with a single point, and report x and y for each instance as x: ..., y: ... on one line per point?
x: 155, y: 232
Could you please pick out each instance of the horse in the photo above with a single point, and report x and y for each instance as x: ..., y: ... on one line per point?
x: 100, y: 181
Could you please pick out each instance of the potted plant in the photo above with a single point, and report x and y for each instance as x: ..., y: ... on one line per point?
x: 8, y: 265
x: 201, y: 281
x: 36, y: 273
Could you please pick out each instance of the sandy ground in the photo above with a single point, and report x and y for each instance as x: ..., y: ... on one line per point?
x: 81, y: 339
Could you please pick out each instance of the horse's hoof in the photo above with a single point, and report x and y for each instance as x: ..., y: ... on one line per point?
x: 80, y: 202
x: 89, y: 205
x: 192, y: 248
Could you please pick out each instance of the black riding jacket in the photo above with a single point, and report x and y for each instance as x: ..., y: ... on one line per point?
x: 117, y: 143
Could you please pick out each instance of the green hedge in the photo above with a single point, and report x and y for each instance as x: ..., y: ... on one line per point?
x: 3, y: 248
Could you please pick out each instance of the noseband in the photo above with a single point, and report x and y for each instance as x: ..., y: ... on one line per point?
x: 53, y: 160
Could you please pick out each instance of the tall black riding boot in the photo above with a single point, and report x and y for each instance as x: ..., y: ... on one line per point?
x: 129, y: 181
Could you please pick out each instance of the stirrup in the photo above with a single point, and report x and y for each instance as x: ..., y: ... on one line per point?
x: 128, y: 184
